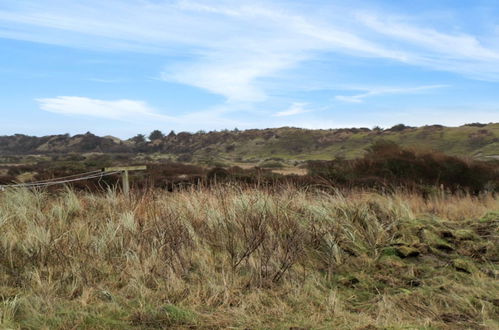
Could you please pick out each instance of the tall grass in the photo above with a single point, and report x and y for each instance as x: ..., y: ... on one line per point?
x: 228, y: 256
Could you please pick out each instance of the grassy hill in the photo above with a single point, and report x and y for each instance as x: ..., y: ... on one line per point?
x: 301, y: 144
x: 285, y: 144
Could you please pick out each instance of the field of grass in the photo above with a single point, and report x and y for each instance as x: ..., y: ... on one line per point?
x: 235, y: 257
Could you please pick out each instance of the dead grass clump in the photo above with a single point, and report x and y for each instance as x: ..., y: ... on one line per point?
x: 228, y: 256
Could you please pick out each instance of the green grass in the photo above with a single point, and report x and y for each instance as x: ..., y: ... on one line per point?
x: 297, y: 144
x: 291, y: 145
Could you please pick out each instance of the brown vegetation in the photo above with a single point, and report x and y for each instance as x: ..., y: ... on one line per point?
x: 388, y: 166
x: 228, y: 256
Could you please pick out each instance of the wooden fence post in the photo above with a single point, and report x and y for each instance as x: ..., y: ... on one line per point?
x: 126, y: 184
x: 124, y: 175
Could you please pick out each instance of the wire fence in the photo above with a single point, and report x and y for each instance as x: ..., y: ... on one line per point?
x: 61, y: 180
x: 68, y: 177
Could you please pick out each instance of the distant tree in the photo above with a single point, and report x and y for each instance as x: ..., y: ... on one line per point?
x: 156, y: 135
x: 172, y: 134
x: 475, y: 125
x: 139, y: 139
x: 399, y: 128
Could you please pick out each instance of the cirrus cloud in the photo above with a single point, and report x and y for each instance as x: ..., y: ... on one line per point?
x: 376, y: 91
x: 232, y: 48
x: 117, y: 109
x: 295, y: 109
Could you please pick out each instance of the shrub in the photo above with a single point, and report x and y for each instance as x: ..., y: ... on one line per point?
x: 386, y: 162
x: 399, y: 128
x: 156, y: 135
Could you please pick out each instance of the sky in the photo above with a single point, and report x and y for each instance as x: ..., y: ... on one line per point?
x: 131, y: 66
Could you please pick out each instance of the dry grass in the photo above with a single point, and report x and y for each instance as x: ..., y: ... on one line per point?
x: 229, y: 257
x: 291, y: 171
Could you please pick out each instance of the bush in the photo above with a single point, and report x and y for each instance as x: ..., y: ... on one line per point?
x: 399, y: 128
x: 386, y: 162
x: 156, y: 135
x: 139, y: 139
x: 475, y: 125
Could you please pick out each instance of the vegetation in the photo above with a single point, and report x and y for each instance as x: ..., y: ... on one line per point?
x: 384, y: 167
x: 139, y: 139
x: 387, y: 165
x: 229, y: 256
x: 479, y: 141
x: 156, y: 135
x: 378, y: 234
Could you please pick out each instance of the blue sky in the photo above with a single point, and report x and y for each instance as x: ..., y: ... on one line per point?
x: 131, y: 66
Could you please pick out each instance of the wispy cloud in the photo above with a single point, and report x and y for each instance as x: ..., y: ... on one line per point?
x: 454, y: 45
x: 369, y: 92
x: 116, y: 109
x: 265, y: 42
x: 244, y: 50
x: 136, y: 111
x: 230, y: 48
x: 295, y: 109
x: 232, y: 75
x: 425, y: 46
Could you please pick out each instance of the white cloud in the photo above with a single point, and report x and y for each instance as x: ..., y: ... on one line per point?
x: 459, y: 45
x: 230, y: 75
x: 138, y: 112
x: 234, y: 48
x: 295, y: 109
x: 457, y: 52
x: 117, y: 109
x: 369, y: 92
x: 227, y: 48
x: 261, y: 43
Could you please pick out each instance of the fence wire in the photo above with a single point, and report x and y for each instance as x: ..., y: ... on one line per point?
x: 61, y: 180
